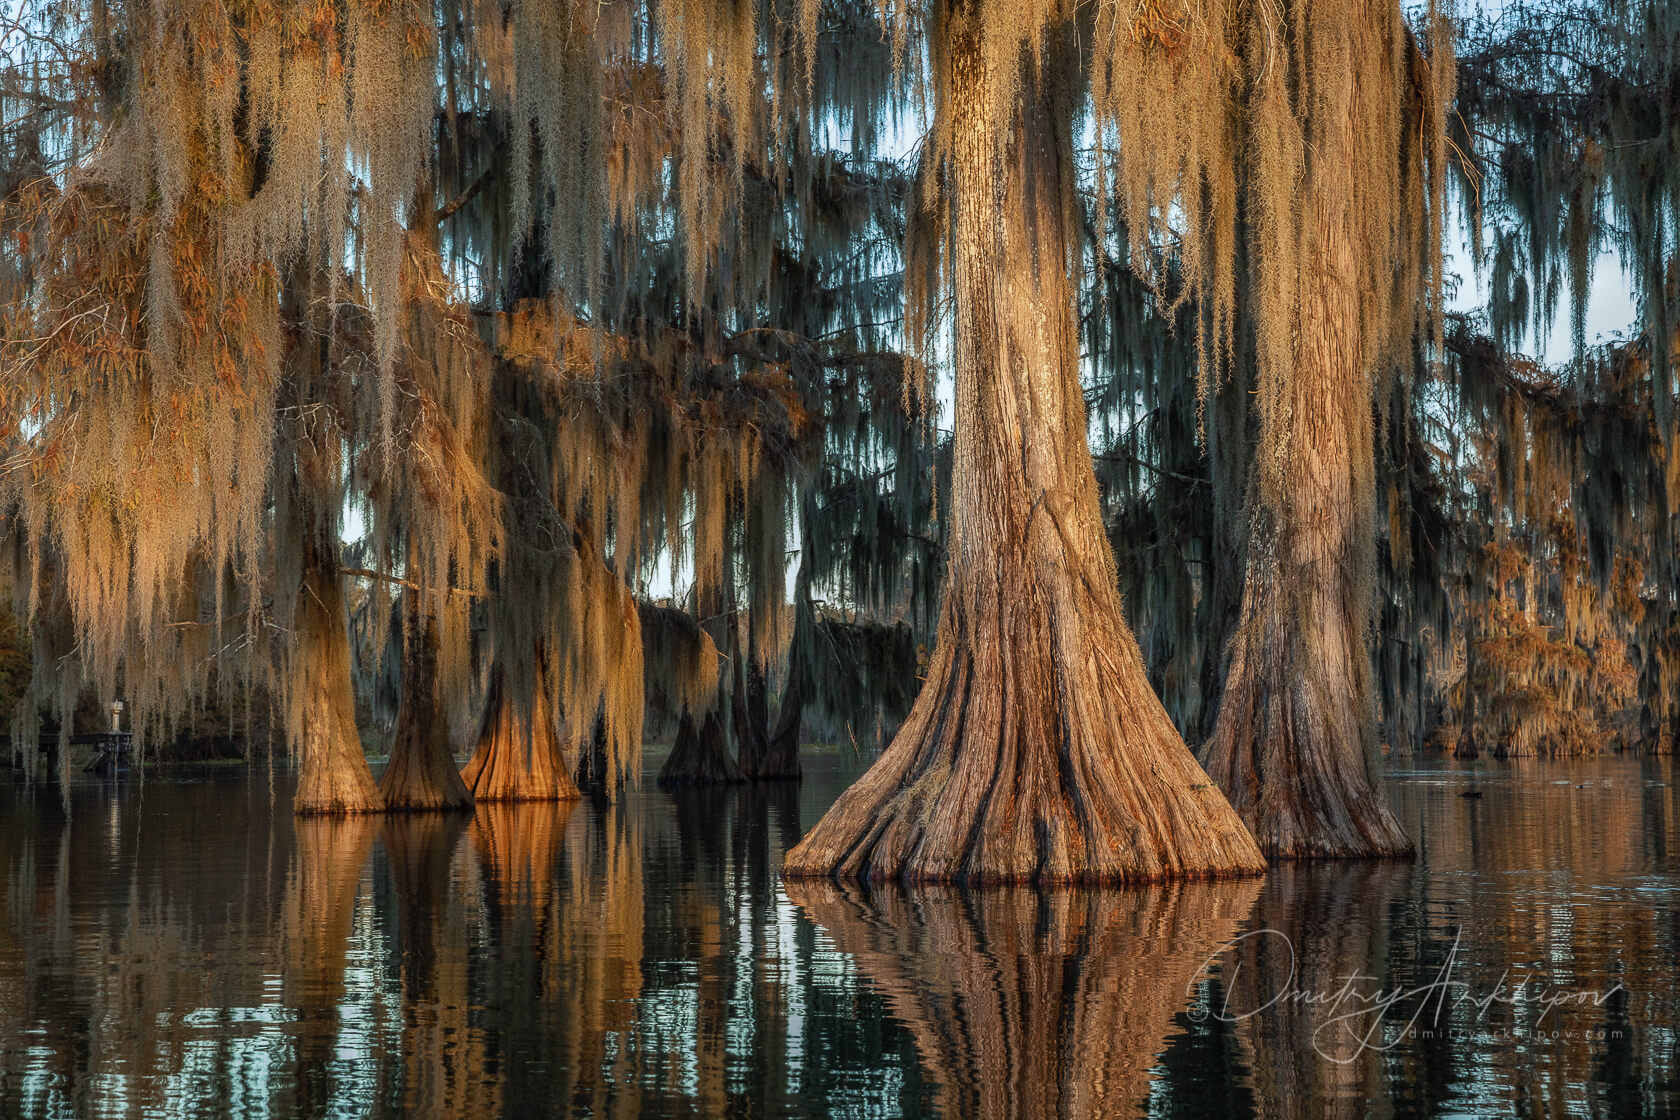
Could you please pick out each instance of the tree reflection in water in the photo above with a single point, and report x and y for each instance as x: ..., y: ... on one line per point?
x: 1033, y: 1004
x: 184, y: 948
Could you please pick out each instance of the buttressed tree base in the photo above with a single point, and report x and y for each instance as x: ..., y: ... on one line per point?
x: 1036, y: 750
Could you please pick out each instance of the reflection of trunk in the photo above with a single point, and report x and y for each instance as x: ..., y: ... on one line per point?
x: 1294, y: 746
x: 519, y: 757
x: 518, y: 849
x: 320, y: 908
x: 333, y: 774
x: 519, y: 863
x: 420, y: 850
x: 422, y: 774
x: 1036, y: 748
x: 1299, y: 983
x: 443, y: 1061
x: 1028, y: 1004
x: 563, y: 903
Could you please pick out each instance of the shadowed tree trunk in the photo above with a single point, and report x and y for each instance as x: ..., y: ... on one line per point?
x: 782, y: 758
x: 764, y: 757
x: 749, y: 711
x: 519, y: 757
x: 1027, y: 1005
x: 422, y: 775
x: 700, y: 755
x: 1036, y: 749
x: 1294, y: 746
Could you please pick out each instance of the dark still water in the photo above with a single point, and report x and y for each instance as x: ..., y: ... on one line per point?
x: 185, y: 947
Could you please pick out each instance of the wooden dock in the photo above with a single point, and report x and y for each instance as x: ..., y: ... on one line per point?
x: 107, y: 752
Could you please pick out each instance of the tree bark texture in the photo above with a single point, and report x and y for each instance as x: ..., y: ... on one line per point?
x: 518, y: 757
x: 333, y: 774
x: 1036, y: 750
x: 1294, y: 746
x: 421, y: 775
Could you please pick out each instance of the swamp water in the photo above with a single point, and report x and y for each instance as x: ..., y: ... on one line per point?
x: 182, y: 946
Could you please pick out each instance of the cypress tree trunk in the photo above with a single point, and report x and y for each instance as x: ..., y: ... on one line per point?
x: 782, y: 758
x: 748, y: 710
x: 1294, y: 746
x: 518, y: 757
x: 1036, y: 749
x: 422, y: 775
x: 764, y: 758
x: 1467, y: 747
x: 700, y: 755
x: 333, y: 774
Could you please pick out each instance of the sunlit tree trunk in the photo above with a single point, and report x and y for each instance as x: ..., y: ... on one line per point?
x: 1036, y: 749
x: 333, y: 774
x: 422, y: 774
x: 519, y: 757
x: 1294, y: 746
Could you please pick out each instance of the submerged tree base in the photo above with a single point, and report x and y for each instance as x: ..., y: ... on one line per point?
x: 518, y: 756
x: 1008, y: 771
x: 337, y: 791
x: 1292, y: 744
x: 333, y: 774
x: 422, y: 775
x: 700, y: 755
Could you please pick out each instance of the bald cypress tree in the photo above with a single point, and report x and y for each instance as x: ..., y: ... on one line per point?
x: 1036, y: 750
x: 1343, y: 203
